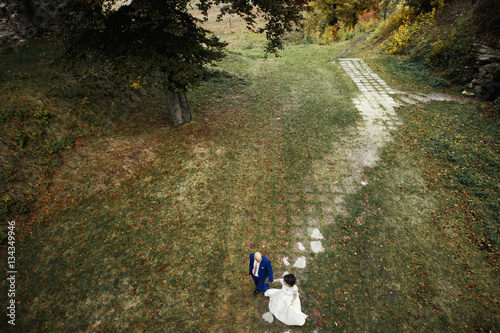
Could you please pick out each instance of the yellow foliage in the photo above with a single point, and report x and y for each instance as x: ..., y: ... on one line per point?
x: 387, y: 27
x: 437, y: 4
x: 402, y: 37
x: 331, y: 34
x: 440, y: 47
x: 136, y: 84
x: 91, y: 72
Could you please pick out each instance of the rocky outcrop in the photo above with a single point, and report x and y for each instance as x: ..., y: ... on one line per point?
x: 486, y: 82
x: 9, y: 35
x: 17, y: 24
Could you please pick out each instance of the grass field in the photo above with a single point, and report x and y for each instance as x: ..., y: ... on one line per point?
x: 148, y: 228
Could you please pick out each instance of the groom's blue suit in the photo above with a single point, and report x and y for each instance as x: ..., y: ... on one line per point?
x: 265, y: 271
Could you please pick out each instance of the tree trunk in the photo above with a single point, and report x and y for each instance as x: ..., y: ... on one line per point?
x: 178, y: 108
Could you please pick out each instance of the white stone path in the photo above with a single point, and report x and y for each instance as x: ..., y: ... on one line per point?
x: 377, y: 108
x: 365, y: 78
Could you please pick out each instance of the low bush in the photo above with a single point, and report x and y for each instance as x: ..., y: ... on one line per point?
x: 407, y: 33
x: 387, y: 27
x: 318, y: 30
x: 359, y: 30
x: 442, y: 38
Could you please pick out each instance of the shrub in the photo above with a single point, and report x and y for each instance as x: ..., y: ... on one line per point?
x: 65, y: 142
x: 6, y: 204
x: 387, y: 27
x: 330, y: 34
x: 9, y: 86
x: 42, y: 114
x: 452, y: 49
x: 10, y: 112
x: 485, y: 19
x: 21, y: 139
x: 22, y: 76
x: 496, y: 105
x: 318, y: 30
x: 52, y: 146
x: 407, y: 33
x: 448, y: 43
x: 363, y: 27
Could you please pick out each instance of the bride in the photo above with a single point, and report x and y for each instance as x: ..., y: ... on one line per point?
x: 284, y: 303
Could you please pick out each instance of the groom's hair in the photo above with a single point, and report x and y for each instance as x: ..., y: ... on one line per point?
x: 289, y: 279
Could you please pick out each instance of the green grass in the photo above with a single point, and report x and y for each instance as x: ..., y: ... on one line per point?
x: 410, y: 76
x: 140, y: 229
x: 420, y: 253
x: 147, y: 228
x: 423, y: 253
x: 45, y: 110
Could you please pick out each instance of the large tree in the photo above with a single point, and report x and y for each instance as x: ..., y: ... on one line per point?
x: 160, y: 42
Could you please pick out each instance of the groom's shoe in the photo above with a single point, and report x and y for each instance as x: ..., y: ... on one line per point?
x: 255, y: 292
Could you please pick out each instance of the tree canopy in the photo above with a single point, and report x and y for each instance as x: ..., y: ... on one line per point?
x: 146, y: 40
x: 160, y: 41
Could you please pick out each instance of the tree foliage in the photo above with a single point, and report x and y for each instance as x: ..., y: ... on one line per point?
x: 146, y: 41
x: 349, y: 11
x: 327, y: 9
x: 345, y: 12
x: 424, y: 6
x: 159, y: 41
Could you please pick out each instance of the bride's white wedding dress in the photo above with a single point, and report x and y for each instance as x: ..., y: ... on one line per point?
x: 279, y: 304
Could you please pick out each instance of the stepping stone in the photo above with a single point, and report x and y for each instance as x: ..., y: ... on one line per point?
x: 300, y: 262
x: 316, y: 234
x: 327, y: 209
x: 342, y: 210
x: 268, y: 317
x: 301, y: 246
x: 312, y: 220
x: 317, y: 247
x: 285, y: 261
x: 296, y: 220
x: 329, y: 220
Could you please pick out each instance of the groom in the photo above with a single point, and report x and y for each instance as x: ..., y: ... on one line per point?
x: 260, y: 269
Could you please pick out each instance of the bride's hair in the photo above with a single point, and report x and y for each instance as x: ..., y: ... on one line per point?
x: 289, y: 279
